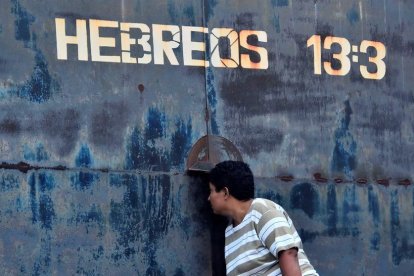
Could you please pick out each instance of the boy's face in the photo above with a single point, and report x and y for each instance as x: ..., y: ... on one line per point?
x: 217, y: 200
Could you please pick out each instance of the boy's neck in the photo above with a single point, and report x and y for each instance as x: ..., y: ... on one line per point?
x: 240, y: 210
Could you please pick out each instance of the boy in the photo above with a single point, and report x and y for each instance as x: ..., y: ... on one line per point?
x: 261, y: 238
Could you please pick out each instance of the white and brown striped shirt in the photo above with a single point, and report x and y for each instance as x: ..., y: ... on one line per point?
x: 252, y: 246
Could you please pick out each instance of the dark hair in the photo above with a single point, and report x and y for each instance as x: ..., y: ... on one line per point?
x: 236, y: 176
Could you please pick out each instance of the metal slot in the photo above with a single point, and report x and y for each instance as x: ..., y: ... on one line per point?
x: 210, y: 150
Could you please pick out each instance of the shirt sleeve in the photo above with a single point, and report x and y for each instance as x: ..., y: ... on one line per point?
x: 276, y: 231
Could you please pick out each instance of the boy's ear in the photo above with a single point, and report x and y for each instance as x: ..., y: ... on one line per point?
x: 226, y: 191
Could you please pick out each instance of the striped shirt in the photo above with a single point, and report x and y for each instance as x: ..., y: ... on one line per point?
x: 252, y: 246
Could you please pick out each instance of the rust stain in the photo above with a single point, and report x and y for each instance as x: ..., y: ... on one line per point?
x: 362, y: 181
x: 25, y: 167
x: 286, y: 178
x: 383, y: 181
x: 404, y: 182
x: 318, y: 177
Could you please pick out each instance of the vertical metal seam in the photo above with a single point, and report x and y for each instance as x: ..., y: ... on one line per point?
x: 206, y: 111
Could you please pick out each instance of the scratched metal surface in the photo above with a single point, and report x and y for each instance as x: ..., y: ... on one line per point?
x: 102, y: 190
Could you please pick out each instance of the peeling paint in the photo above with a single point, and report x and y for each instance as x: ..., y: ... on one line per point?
x: 38, y: 154
x: 332, y: 209
x: 350, y: 210
x: 9, y: 182
x: 344, y: 159
x: 93, y: 218
x: 130, y: 220
x: 42, y: 205
x: 46, y: 212
x: 84, y: 180
x: 353, y: 16
x: 305, y: 197
x: 22, y: 22
x: 144, y: 152
x: 209, y: 9
x: 373, y: 207
x: 41, y: 85
x: 43, y: 260
x: 181, y: 143
x: 33, y: 197
x: 395, y: 227
x: 212, y: 101
x: 280, y: 3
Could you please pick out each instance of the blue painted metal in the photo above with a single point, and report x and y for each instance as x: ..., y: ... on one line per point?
x: 102, y: 189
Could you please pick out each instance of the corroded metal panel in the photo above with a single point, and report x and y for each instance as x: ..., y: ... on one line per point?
x: 312, y: 111
x: 349, y: 228
x: 88, y: 223
x: 53, y: 106
x: 101, y: 102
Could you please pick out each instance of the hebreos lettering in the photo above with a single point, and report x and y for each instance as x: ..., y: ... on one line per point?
x: 160, y: 44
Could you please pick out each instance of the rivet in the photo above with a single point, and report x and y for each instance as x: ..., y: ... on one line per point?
x: 141, y: 87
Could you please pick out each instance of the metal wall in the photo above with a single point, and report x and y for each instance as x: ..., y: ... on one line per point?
x: 93, y: 146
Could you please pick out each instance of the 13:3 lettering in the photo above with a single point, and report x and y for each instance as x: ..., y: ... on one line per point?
x: 343, y: 56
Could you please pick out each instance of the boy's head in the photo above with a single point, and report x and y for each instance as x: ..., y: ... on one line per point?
x: 236, y: 176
